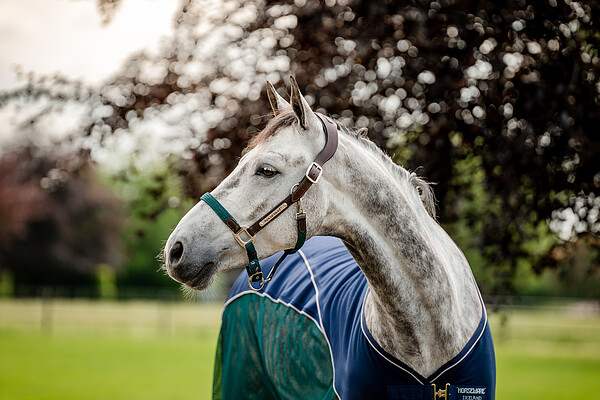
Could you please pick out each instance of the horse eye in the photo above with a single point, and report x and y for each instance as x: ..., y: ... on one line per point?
x: 267, y: 171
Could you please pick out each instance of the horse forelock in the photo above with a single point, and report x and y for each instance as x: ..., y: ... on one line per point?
x: 283, y: 119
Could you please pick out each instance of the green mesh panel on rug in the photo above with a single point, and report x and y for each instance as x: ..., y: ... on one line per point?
x: 267, y: 350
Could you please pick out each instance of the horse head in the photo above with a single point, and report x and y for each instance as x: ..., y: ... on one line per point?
x: 274, y: 164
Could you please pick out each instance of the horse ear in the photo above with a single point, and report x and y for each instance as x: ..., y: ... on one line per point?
x: 306, y: 117
x: 277, y: 102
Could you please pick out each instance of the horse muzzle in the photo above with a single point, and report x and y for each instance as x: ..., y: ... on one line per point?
x: 182, y: 266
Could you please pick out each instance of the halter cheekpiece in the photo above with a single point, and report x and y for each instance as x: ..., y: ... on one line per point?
x: 244, y: 235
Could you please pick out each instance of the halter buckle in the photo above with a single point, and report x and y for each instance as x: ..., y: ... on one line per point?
x: 241, y: 241
x: 319, y: 170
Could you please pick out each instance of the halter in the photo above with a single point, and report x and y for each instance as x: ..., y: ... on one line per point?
x: 244, y: 235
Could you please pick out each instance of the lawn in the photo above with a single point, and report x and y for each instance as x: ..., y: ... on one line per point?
x: 86, y: 350
x: 551, y: 354
x: 100, y: 367
x: 146, y: 350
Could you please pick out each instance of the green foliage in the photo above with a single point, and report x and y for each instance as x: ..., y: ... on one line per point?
x: 7, y: 284
x: 532, y: 240
x: 575, y: 275
x: 153, y: 204
x: 474, y: 210
x: 107, y: 287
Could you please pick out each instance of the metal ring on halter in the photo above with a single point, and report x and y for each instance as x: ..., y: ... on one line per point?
x: 292, y: 192
x: 262, y: 281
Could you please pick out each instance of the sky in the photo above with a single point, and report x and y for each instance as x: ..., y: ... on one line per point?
x: 45, y: 36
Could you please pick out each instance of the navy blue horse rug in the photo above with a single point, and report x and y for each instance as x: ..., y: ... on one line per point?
x: 303, y: 336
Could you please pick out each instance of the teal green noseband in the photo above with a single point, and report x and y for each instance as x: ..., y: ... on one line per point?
x: 245, y: 235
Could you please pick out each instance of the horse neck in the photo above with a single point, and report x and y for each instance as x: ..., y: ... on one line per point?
x: 423, y: 304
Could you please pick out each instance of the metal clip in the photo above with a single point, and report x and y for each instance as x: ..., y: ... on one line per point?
x: 262, y: 281
x: 442, y: 393
x: 300, y: 213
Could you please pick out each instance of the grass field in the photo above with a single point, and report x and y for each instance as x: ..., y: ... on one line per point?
x: 83, y: 350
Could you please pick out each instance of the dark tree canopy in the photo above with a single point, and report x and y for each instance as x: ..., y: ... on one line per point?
x: 58, y: 222
x: 497, y: 103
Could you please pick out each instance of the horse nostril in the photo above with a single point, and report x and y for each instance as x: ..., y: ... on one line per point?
x: 175, y: 253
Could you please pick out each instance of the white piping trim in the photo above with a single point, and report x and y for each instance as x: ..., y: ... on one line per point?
x: 484, y: 311
x: 467, y: 353
x: 375, y: 348
x: 312, y: 278
x: 445, y: 370
x: 237, y: 296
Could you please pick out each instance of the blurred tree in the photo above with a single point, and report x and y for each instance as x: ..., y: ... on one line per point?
x: 58, y: 222
x: 507, y: 92
x: 151, y: 199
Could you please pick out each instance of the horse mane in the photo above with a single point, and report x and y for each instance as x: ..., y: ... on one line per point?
x: 286, y: 118
x: 422, y: 187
